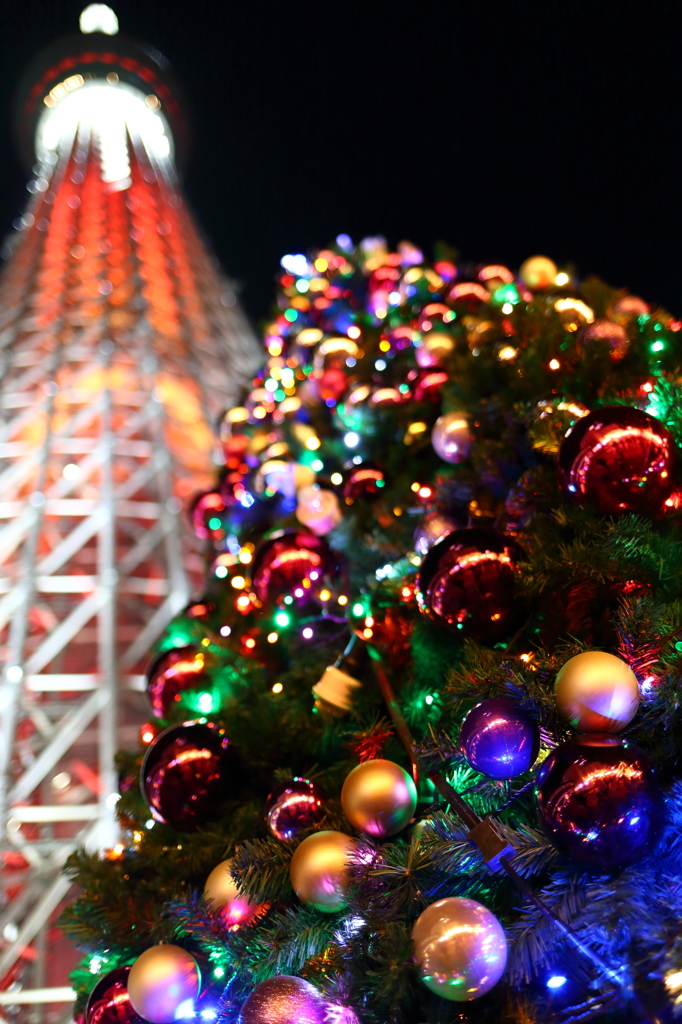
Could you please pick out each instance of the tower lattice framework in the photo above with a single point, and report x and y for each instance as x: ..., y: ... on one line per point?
x: 120, y: 346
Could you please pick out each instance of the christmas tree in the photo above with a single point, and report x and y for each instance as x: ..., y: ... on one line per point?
x: 413, y: 754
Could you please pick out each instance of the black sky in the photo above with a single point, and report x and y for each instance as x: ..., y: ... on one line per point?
x: 505, y: 128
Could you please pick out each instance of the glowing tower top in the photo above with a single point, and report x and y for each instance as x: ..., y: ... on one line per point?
x: 120, y: 346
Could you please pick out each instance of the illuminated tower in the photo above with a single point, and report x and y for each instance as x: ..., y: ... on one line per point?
x: 120, y: 346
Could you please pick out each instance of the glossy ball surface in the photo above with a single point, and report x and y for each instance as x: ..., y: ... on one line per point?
x: 225, y: 900
x: 600, y: 802
x: 290, y: 561
x: 320, y: 870
x: 434, y: 348
x: 451, y: 437
x: 109, y: 1002
x: 379, y: 798
x: 318, y: 509
x: 609, y: 333
x: 618, y: 459
x: 467, y: 580
x: 597, y: 692
x: 538, y: 272
x: 284, y: 1000
x: 294, y: 806
x: 174, y: 673
x: 499, y: 739
x: 161, y: 980
x: 460, y: 948
x: 433, y: 527
x: 184, y: 775
x: 364, y: 483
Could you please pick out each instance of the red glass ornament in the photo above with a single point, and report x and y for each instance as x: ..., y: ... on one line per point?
x: 292, y: 563
x: 332, y: 384
x: 185, y: 774
x: 364, y: 483
x: 294, y: 807
x: 205, y: 507
x: 468, y: 580
x: 600, y: 802
x: 109, y: 1002
x: 199, y: 610
x: 173, y: 673
x: 429, y: 384
x: 609, y: 333
x: 618, y: 459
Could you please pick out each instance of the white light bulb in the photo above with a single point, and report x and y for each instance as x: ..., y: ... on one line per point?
x: 98, y: 18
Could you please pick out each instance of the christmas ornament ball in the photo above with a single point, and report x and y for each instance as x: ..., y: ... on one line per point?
x: 379, y: 798
x: 161, y: 980
x: 284, y: 1000
x: 294, y: 806
x: 460, y: 948
x: 184, y: 775
x: 109, y: 1002
x: 433, y: 526
x: 318, y: 509
x: 618, y: 459
x: 451, y: 438
x: 538, y: 272
x: 363, y: 483
x: 288, y: 561
x: 600, y: 802
x: 319, y: 870
x: 609, y: 333
x: 499, y: 739
x: 434, y: 348
x: 468, y: 580
x: 223, y: 895
x: 597, y: 692
x: 173, y: 674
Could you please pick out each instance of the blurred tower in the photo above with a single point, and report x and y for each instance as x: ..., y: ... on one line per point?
x: 120, y: 346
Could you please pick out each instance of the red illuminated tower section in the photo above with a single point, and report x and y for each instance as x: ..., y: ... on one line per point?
x: 120, y: 346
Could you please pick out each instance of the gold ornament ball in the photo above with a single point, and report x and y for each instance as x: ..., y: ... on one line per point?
x: 597, y: 692
x: 160, y: 980
x: 379, y: 798
x: 319, y: 870
x: 435, y: 347
x: 225, y: 899
x: 460, y: 948
x: 538, y: 272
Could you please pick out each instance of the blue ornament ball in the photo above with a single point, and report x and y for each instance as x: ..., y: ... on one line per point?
x: 600, y: 801
x: 499, y: 739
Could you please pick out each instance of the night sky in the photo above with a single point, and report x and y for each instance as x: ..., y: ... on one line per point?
x: 504, y: 128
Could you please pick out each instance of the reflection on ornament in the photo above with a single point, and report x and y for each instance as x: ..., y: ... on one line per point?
x: 597, y: 692
x: 451, y: 438
x: 434, y: 348
x: 320, y: 870
x: 176, y: 673
x: 551, y: 421
x: 499, y: 739
x: 433, y: 527
x: 225, y: 899
x: 318, y: 509
x: 468, y: 580
x: 184, y: 775
x: 364, y: 483
x: 205, y: 515
x: 600, y: 802
x: 284, y: 1000
x: 538, y: 273
x: 618, y: 459
x: 291, y: 563
x: 632, y: 305
x: 460, y: 948
x: 293, y: 807
x: 109, y: 1002
x: 609, y: 333
x: 379, y: 798
x: 161, y: 980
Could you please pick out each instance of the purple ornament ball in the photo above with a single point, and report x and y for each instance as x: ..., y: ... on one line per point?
x: 109, y: 1002
x: 600, y: 802
x: 293, y: 807
x: 499, y: 739
x: 184, y: 775
x: 284, y: 1000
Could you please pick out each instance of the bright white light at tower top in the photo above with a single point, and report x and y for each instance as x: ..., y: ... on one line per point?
x: 98, y: 18
x: 113, y: 115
